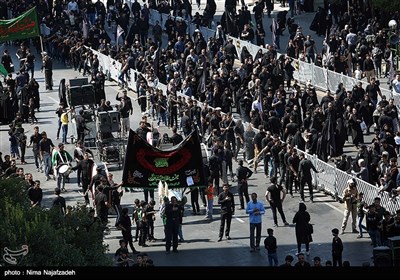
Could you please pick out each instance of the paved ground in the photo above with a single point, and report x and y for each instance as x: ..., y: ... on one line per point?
x: 200, y: 247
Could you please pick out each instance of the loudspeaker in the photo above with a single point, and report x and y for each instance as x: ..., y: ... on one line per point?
x: 114, y: 118
x: 382, y: 256
x: 109, y: 121
x: 88, y: 95
x: 74, y: 96
x: 394, y: 244
x: 81, y: 95
x: 78, y: 82
x: 105, y: 122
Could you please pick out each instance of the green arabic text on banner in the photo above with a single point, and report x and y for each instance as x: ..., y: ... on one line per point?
x: 21, y: 27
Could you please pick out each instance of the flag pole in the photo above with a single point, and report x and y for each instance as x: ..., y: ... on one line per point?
x: 41, y: 44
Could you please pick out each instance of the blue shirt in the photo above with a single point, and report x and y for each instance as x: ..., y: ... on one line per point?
x: 255, y: 219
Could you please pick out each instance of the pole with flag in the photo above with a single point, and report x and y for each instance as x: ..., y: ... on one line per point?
x: 328, y: 55
x: 274, y: 27
x: 391, y: 71
x: 120, y: 31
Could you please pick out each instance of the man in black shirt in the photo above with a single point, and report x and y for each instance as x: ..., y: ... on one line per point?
x: 81, y: 125
x: 125, y: 225
x: 243, y: 173
x: 176, y: 138
x: 173, y: 213
x: 59, y: 201
x: 30, y: 63
x: 85, y: 165
x: 79, y: 153
x: 45, y: 147
x: 143, y: 129
x: 35, y: 194
x: 373, y: 90
x: 125, y: 108
x: 293, y: 167
x: 48, y: 70
x: 258, y: 145
x: 96, y: 179
x: 273, y: 196
x: 227, y: 202
x: 304, y: 175
x: 101, y: 203
x: 34, y: 142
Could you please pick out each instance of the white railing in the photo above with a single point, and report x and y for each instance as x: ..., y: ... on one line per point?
x: 331, y: 179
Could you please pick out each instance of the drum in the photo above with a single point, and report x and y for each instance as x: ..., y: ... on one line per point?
x: 64, y: 169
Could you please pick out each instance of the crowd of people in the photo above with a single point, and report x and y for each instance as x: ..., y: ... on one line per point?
x: 261, y: 90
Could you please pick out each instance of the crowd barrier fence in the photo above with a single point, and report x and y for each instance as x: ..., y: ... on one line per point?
x: 330, y: 180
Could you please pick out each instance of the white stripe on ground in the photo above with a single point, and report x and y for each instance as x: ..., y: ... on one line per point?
x: 330, y: 205
x: 238, y: 219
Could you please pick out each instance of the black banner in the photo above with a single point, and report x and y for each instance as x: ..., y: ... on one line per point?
x: 179, y: 167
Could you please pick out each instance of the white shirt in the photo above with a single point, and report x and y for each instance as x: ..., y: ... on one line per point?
x: 396, y: 85
x: 358, y: 74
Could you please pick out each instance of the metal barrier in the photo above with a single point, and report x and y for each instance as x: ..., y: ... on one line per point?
x: 333, y: 181
x: 330, y: 180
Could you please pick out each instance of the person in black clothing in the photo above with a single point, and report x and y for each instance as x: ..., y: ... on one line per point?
x: 215, y: 170
x: 173, y: 213
x: 30, y: 63
x: 301, y: 261
x: 273, y: 196
x: 101, y: 203
x: 79, y: 154
x: 85, y: 165
x: 243, y: 173
x: 35, y: 194
x: 143, y: 129
x: 303, y: 235
x: 59, y: 111
x: 81, y: 125
x: 271, y: 246
x: 125, y: 225
x: 59, y: 201
x: 176, y: 138
x: 288, y: 261
x: 96, y: 179
x: 337, y: 248
x: 125, y: 108
x: 304, y: 174
x: 292, y: 165
x: 227, y: 202
x: 7, y: 61
x: 48, y: 71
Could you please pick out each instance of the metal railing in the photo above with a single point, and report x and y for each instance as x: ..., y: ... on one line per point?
x: 331, y: 180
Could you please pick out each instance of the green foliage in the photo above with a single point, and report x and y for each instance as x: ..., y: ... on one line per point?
x: 53, y: 239
x: 386, y: 5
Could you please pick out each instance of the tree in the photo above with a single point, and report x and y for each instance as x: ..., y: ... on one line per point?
x: 52, y: 238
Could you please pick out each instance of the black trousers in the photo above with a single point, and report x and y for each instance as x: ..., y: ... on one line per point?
x: 228, y: 218
x: 171, y: 234
x: 243, y: 191
x: 303, y: 182
x: 274, y: 208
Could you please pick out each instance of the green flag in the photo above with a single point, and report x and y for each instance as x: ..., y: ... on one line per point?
x: 3, y: 70
x: 21, y: 27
